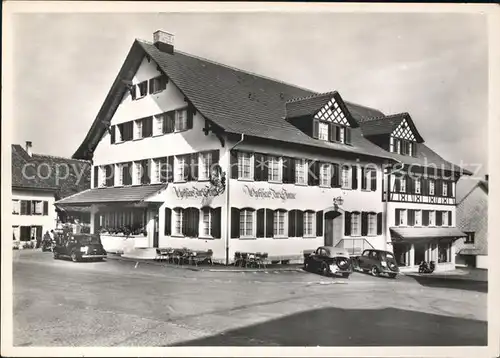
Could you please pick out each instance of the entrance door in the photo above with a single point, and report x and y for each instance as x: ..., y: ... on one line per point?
x: 156, y: 235
x: 332, y: 228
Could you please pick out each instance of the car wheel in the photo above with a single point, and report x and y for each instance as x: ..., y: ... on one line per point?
x: 325, y: 270
x: 393, y: 275
x: 74, y: 257
x: 374, y: 271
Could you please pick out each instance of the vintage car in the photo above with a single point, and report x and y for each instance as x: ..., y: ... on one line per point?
x: 79, y: 247
x: 328, y: 260
x: 378, y: 262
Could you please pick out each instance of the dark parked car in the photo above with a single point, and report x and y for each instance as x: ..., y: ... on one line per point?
x: 80, y: 247
x: 378, y: 262
x: 329, y: 260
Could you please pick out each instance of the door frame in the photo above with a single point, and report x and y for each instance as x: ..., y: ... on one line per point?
x: 331, y: 214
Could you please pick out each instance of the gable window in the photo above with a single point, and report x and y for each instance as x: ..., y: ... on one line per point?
x: 102, y: 176
x: 355, y: 224
x: 15, y: 207
x: 431, y: 187
x: 308, y: 223
x: 346, y: 179
x: 180, y: 167
x: 469, y: 239
x: 247, y: 223
x: 206, y: 222
x: 279, y: 223
x: 325, y: 177
x: 205, y: 164
x: 398, y: 146
x: 118, y: 175
x: 372, y: 224
x: 157, y: 84
x: 301, y: 171
x: 142, y: 89
x: 323, y: 131
x: 181, y: 120
x: 275, y: 166
x: 245, y: 165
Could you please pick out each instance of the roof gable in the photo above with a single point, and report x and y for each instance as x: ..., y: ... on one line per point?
x: 398, y: 125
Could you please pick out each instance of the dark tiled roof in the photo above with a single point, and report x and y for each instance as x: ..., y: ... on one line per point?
x: 112, y: 195
x: 65, y: 175
x: 466, y: 185
x: 380, y: 126
x: 23, y: 174
x: 241, y: 102
x: 362, y: 113
x: 416, y: 233
x: 299, y: 107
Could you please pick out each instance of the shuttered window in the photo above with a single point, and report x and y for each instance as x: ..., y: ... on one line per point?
x: 275, y: 169
x: 301, y: 171
x: 245, y: 165
x: 216, y: 223
x: 206, y: 222
x: 309, y: 224
x: 181, y: 120
x: 372, y: 224
x: 325, y: 174
x: 355, y: 224
x: 280, y: 223
x: 205, y: 164
x: 247, y: 218
x: 168, y: 221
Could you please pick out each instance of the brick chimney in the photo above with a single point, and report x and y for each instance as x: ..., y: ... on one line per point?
x: 28, y: 147
x: 164, y: 41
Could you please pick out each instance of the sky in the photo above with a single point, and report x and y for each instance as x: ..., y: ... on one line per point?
x: 433, y: 66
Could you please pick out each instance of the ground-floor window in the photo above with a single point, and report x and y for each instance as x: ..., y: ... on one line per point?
x: 308, y: 223
x: 246, y: 223
x: 279, y: 223
x: 206, y: 221
x: 123, y: 221
x: 444, y: 251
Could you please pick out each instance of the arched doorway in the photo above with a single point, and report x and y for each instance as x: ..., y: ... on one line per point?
x: 333, y: 228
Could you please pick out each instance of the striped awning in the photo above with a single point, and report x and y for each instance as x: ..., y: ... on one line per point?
x: 425, y: 233
x: 126, y: 194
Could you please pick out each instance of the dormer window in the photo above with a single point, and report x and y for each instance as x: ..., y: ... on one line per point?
x: 330, y: 123
x: 323, y: 131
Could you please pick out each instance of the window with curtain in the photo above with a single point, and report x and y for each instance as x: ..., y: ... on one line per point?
x: 372, y: 224
x: 346, y: 178
x: 355, y: 224
x: 180, y: 167
x: 275, y: 165
x: 177, y: 218
x: 181, y: 120
x: 206, y: 222
x: 325, y: 178
x: 301, y: 171
x: 205, y: 163
x: 247, y: 223
x: 323, y: 131
x: 279, y: 223
x: 309, y: 223
x: 245, y: 165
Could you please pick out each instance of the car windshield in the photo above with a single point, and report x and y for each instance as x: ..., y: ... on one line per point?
x: 85, y: 240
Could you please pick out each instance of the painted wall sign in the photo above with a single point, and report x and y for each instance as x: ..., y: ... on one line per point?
x: 262, y: 193
x: 193, y: 192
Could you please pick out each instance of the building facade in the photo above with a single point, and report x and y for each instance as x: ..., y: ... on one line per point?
x: 37, y: 182
x: 472, y: 219
x: 191, y: 153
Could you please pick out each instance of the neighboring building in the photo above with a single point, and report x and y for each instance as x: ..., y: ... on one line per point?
x: 472, y: 218
x: 287, y: 152
x: 37, y: 182
x: 419, y: 194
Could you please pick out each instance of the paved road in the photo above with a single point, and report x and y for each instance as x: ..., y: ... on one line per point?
x: 116, y: 303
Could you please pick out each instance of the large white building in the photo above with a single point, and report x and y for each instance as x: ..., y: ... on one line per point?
x: 301, y: 169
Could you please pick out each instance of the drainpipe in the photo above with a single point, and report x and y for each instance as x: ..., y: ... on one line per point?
x: 386, y: 209
x: 228, y: 204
